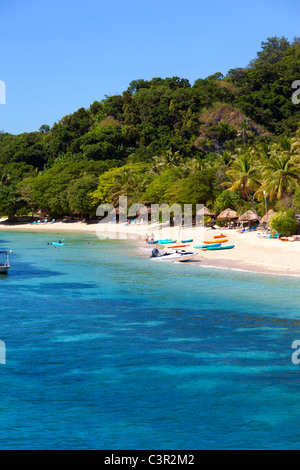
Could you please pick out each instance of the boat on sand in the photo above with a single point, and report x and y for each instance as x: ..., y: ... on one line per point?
x: 176, y: 255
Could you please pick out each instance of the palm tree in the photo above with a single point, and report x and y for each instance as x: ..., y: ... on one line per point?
x: 281, y: 175
x: 126, y: 182
x: 168, y: 158
x: 226, y: 157
x: 286, y: 145
x: 243, y: 175
x: 191, y: 165
x: 244, y: 128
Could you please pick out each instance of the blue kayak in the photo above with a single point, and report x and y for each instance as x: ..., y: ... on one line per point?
x: 56, y: 244
x: 187, y: 241
x: 223, y: 247
x: 206, y: 246
x: 164, y: 242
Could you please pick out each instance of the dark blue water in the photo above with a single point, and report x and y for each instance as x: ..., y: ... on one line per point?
x: 109, y: 351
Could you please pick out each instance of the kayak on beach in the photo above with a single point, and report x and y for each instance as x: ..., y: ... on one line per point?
x: 205, y: 246
x: 215, y: 248
x: 177, y: 246
x: 223, y: 240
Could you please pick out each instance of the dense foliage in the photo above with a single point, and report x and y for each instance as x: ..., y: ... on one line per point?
x: 222, y: 141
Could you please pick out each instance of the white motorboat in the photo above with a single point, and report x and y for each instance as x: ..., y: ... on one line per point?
x: 4, y: 261
x: 175, y: 255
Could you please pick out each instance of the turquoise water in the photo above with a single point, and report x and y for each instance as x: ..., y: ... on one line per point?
x: 110, y: 351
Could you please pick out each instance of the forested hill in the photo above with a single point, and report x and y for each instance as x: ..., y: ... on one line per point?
x: 153, y: 125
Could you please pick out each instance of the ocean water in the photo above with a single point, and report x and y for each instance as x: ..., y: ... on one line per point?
x: 106, y: 350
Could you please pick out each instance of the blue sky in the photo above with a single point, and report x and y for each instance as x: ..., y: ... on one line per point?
x: 61, y: 55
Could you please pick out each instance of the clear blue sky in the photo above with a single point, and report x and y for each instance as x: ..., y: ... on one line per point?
x: 60, y: 55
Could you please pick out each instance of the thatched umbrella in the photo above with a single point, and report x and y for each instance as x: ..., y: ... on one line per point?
x: 248, y: 216
x: 270, y: 215
x: 205, y: 212
x: 228, y: 214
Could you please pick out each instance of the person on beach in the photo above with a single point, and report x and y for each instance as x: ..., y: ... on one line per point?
x: 147, y: 238
x: 152, y: 238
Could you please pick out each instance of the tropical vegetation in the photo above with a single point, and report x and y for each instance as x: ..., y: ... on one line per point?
x: 224, y: 141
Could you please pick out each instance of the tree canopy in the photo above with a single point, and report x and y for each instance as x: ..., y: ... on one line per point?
x: 222, y: 140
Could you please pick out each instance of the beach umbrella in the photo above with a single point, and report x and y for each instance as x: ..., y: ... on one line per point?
x: 248, y: 216
x: 228, y: 214
x: 270, y: 215
x: 205, y: 212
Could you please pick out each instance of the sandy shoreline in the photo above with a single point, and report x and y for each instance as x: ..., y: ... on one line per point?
x: 251, y: 253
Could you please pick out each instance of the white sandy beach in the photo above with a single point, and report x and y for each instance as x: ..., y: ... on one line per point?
x: 251, y: 253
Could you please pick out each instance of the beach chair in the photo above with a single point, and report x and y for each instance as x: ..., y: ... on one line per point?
x: 45, y: 221
x: 52, y: 221
x: 32, y: 223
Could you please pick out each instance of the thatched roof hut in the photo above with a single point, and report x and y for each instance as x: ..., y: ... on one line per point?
x: 205, y: 212
x: 248, y: 216
x: 228, y: 214
x: 270, y: 215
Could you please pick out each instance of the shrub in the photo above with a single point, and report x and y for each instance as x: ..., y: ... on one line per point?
x: 284, y: 223
x: 221, y: 222
x: 228, y: 199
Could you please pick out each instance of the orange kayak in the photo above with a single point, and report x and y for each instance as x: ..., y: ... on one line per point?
x: 220, y: 236
x: 177, y: 246
x: 220, y: 240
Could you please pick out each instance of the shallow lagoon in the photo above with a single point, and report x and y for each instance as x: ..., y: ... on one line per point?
x: 106, y: 350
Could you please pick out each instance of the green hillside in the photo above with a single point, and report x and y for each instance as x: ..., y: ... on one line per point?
x: 219, y: 141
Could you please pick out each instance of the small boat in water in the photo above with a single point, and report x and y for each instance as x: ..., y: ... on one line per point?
x: 59, y: 243
x: 4, y: 261
x: 176, y: 255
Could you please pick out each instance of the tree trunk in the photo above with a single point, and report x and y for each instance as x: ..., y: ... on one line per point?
x: 252, y: 203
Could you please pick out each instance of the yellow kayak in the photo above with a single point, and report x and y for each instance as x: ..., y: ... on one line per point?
x: 220, y: 240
